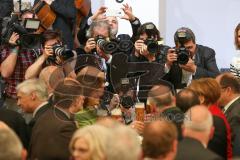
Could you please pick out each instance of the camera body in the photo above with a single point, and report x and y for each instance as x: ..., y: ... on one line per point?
x: 106, y: 45
x: 60, y: 54
x: 122, y: 43
x: 182, y: 55
x: 182, y: 51
x: 27, y: 38
x: 152, y: 46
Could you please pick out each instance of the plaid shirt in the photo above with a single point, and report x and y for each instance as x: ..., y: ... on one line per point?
x: 24, y: 60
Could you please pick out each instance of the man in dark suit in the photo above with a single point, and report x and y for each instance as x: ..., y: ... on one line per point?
x: 65, y: 17
x: 197, y: 130
x: 52, y: 132
x: 201, y: 61
x: 17, y: 123
x: 230, y: 101
x: 33, y: 98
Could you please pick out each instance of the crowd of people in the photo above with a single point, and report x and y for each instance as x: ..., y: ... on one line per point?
x: 81, y: 98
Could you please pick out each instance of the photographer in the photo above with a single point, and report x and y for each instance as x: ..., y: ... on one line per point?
x: 14, y: 62
x: 53, y: 53
x: 147, y: 47
x: 189, y: 60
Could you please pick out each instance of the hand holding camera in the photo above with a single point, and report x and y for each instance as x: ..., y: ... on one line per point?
x: 190, y: 66
x: 47, y: 51
x: 128, y: 15
x: 141, y: 48
x: 171, y: 57
x: 90, y: 44
x: 99, y: 14
x: 13, y: 39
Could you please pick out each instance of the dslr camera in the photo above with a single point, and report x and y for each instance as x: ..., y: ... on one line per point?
x: 105, y: 45
x: 60, y: 54
x: 182, y: 52
x: 25, y: 30
x: 152, y: 46
x: 122, y: 43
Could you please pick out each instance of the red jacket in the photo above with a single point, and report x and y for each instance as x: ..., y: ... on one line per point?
x: 215, y: 110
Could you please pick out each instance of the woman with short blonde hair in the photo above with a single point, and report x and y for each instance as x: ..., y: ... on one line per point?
x: 89, y: 143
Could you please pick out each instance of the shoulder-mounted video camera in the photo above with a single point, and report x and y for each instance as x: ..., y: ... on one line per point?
x: 28, y: 39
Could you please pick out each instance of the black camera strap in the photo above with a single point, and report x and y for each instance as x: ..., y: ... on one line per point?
x: 2, y: 91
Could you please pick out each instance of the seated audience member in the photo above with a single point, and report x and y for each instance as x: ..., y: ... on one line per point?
x: 162, y: 98
x: 230, y: 103
x: 60, y: 122
x: 234, y: 66
x: 17, y: 123
x: 160, y: 140
x: 10, y: 145
x: 200, y: 60
x: 186, y: 98
x: 209, y: 92
x: 197, y: 131
x: 90, y: 142
x: 51, y: 55
x: 123, y: 143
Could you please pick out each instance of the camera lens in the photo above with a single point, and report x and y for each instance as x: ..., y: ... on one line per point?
x: 183, y: 55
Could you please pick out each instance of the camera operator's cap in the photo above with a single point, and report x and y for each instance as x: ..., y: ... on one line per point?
x: 184, y: 31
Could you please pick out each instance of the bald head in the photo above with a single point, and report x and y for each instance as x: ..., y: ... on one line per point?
x: 158, y: 138
x: 50, y: 75
x: 198, y: 119
x: 3, y: 125
x: 161, y: 95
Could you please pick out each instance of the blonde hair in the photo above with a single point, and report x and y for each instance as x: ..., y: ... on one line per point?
x: 10, y: 145
x: 96, y: 136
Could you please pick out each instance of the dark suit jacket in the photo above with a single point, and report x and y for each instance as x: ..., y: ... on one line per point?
x: 66, y: 12
x: 218, y: 143
x: 206, y: 67
x: 192, y: 149
x: 233, y: 116
x: 37, y: 116
x: 15, y: 121
x: 51, y: 135
x: 6, y: 8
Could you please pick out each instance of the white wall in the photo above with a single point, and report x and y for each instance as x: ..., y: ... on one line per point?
x: 213, y: 22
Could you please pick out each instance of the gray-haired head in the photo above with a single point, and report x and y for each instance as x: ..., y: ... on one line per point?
x: 34, y: 85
